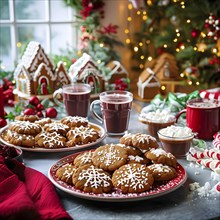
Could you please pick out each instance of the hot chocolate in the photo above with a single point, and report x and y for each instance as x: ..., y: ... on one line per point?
x: 176, y: 140
x: 157, y: 120
x: 115, y: 108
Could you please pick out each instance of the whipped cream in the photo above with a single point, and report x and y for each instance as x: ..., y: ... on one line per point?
x: 157, y: 116
x: 176, y: 132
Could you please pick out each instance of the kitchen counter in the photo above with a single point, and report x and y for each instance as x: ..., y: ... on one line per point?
x: 178, y: 204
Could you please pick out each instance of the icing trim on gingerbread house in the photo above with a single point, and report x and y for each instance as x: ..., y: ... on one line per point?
x: 147, y: 79
x: 34, y: 55
x: 78, y: 67
x: 23, y: 80
x: 116, y: 68
x: 62, y: 77
x: 84, y: 70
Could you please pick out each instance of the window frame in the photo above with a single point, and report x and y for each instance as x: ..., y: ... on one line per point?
x: 13, y: 23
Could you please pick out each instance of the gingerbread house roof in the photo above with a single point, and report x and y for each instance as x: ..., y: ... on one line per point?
x: 34, y: 55
x: 61, y: 73
x: 116, y: 67
x: 43, y: 68
x: 81, y: 66
x: 148, y: 77
x: 166, y: 63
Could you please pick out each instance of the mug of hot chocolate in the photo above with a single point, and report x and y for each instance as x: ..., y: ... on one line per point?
x: 76, y: 98
x: 203, y: 117
x: 115, y: 111
x: 157, y: 120
x: 176, y: 140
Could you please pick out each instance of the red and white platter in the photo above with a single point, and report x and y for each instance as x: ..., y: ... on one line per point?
x: 64, y: 149
x: 157, y: 190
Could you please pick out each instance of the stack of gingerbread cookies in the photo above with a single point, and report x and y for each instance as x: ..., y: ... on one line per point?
x: 132, y: 166
x: 32, y: 132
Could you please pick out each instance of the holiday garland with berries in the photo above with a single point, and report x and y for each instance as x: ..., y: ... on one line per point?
x: 188, y: 29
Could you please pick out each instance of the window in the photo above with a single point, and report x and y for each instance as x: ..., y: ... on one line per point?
x: 49, y: 22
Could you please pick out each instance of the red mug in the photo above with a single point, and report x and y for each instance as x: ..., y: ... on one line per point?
x: 203, y: 117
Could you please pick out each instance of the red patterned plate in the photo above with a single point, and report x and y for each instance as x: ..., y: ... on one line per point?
x: 117, y: 196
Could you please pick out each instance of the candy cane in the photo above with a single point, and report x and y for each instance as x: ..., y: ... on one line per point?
x: 213, y: 153
x: 217, y: 136
x: 209, y: 163
x: 216, y: 144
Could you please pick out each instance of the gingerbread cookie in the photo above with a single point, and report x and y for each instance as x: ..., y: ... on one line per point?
x: 30, y: 118
x: 126, y: 139
x: 144, y: 141
x: 23, y: 140
x: 83, y: 135
x: 83, y: 159
x: 50, y: 140
x: 109, y: 157
x: 138, y: 159
x: 65, y: 173
x: 56, y: 127
x: 162, y: 172
x: 161, y: 156
x: 91, y: 179
x: 44, y: 121
x: 133, y: 178
x: 131, y: 150
x: 25, y: 127
x: 75, y: 121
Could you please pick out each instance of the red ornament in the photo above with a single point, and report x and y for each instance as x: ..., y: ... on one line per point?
x: 34, y: 101
x: 160, y: 50
x: 195, y: 33
x: 51, y: 112
x: 3, y: 122
x: 29, y: 111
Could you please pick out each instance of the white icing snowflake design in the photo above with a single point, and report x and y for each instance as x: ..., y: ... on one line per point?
x: 25, y: 125
x: 95, y: 177
x: 76, y: 119
x: 69, y: 170
x: 57, y: 126
x: 135, y: 158
x: 86, y: 157
x: 144, y: 137
x: 132, y: 176
x: 52, y: 139
x: 160, y: 168
x: 83, y: 132
x: 109, y: 155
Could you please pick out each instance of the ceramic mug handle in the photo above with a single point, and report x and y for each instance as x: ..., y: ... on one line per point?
x: 55, y: 94
x: 93, y: 112
x: 179, y: 114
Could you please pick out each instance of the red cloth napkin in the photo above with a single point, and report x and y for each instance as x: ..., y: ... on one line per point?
x: 27, y: 194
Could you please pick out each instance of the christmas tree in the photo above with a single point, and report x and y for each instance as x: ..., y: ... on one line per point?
x: 188, y: 29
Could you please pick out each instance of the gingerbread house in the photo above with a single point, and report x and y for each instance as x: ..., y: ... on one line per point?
x: 62, y: 76
x: 84, y: 70
x: 166, y: 68
x: 148, y: 84
x: 35, y: 74
x: 116, y: 71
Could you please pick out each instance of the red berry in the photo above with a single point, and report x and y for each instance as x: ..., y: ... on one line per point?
x: 51, y: 112
x: 40, y: 107
x: 40, y: 114
x: 34, y: 100
x: 3, y: 122
x: 11, y: 103
x: 29, y: 111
